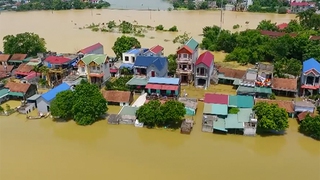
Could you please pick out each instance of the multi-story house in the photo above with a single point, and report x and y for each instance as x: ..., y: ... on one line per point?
x: 186, y: 58
x: 296, y: 7
x: 93, y: 49
x: 310, y: 77
x: 130, y: 56
x: 95, y: 67
x: 204, y: 68
x: 151, y: 66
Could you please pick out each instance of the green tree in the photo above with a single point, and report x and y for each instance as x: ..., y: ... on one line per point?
x: 293, y: 26
x: 159, y: 28
x: 172, y: 113
x: 310, y: 126
x: 267, y: 25
x: 126, y: 27
x: 150, y: 114
x: 26, y: 43
x: 172, y: 67
x: 173, y: 29
x: 89, y: 104
x: 182, y: 39
x: 111, y: 24
x: 123, y: 44
x: 1, y: 109
x: 271, y: 117
x: 62, y: 105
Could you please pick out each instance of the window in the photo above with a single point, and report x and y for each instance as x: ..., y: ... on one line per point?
x: 185, y: 55
x: 133, y: 59
x: 98, y: 68
x: 189, y: 67
x: 93, y: 68
x: 126, y: 58
x: 153, y: 74
x: 82, y: 69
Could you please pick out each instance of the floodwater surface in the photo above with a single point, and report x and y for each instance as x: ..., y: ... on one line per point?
x: 43, y: 149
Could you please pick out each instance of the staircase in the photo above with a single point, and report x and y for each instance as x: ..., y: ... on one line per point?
x: 214, y: 77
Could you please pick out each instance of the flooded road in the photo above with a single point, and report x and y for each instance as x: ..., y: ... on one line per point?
x: 42, y: 149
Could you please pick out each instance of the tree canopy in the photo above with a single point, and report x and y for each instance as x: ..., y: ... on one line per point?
x: 172, y: 67
x: 123, y: 44
x: 85, y: 104
x: 271, y: 117
x: 154, y: 114
x: 310, y: 126
x: 286, y: 52
x: 24, y: 43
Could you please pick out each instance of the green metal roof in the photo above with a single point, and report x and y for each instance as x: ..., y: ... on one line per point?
x: 232, y: 122
x: 221, y: 76
x: 233, y: 101
x: 34, y: 97
x: 19, y: 94
x: 264, y: 90
x: 236, y: 82
x: 192, y: 44
x: 3, y: 92
x: 244, y: 114
x: 245, y: 89
x: 220, y: 109
x: 219, y: 125
x: 128, y: 110
x: 245, y: 101
x: 97, y: 58
x: 27, y: 59
x: 137, y: 81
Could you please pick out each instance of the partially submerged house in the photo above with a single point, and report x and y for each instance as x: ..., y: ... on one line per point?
x: 310, y: 77
x: 191, y: 105
x: 20, y: 90
x: 186, y: 126
x: 4, y: 95
x: 304, y: 106
x: 121, y: 98
x: 301, y: 116
x: 204, y: 68
x: 43, y: 102
x: 186, y: 58
x: 130, y: 56
x: 93, y: 49
x: 217, y: 118
x: 95, y: 67
x: 17, y: 59
x: 298, y: 6
x: 287, y: 105
x: 166, y: 87
x: 128, y: 115
x: 4, y: 59
x: 284, y: 87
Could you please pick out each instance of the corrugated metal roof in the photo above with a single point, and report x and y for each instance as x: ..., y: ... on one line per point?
x: 220, y: 109
x: 51, y: 94
x: 192, y: 44
x: 205, y: 58
x: 233, y: 101
x: 137, y: 51
x: 97, y: 58
x: 91, y: 48
x: 216, y: 98
x: 265, y: 90
x: 162, y: 80
x: 220, y: 124
x: 245, y: 101
x: 34, y: 97
x: 245, y: 89
x: 244, y: 114
x: 207, y: 108
x: 128, y: 110
x: 19, y: 94
x: 233, y: 123
x: 311, y: 64
x: 137, y: 81
x: 3, y: 92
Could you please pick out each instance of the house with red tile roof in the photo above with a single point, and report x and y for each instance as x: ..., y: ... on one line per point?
x: 296, y: 7
x: 155, y: 51
x: 204, y: 68
x: 93, y: 49
x: 282, y: 26
x: 187, y: 55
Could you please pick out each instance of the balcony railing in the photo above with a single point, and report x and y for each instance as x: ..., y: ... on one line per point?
x: 96, y: 71
x: 184, y: 70
x: 202, y: 74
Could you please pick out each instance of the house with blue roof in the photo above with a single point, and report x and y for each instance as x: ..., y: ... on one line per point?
x: 310, y: 77
x: 43, y: 102
x: 150, y: 66
x: 169, y: 87
x: 130, y: 56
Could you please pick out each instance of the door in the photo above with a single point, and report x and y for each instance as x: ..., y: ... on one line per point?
x: 153, y: 74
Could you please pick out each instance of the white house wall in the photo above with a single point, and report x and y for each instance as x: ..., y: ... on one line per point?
x: 302, y: 109
x: 42, y: 105
x: 106, y: 72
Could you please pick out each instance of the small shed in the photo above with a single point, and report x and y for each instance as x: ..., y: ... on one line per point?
x: 128, y: 115
x: 190, y: 104
x: 207, y: 123
x: 186, y: 126
x: 4, y: 95
x: 113, y: 119
x: 121, y: 98
x: 250, y: 128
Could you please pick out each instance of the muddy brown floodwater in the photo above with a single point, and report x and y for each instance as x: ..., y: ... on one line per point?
x: 42, y: 149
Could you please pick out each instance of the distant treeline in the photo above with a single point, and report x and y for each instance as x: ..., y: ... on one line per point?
x: 61, y: 5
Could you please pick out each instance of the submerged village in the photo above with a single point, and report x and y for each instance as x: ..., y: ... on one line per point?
x: 144, y: 87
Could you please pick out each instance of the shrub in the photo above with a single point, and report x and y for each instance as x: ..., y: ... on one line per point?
x: 173, y: 29
x: 159, y: 28
x: 282, y: 10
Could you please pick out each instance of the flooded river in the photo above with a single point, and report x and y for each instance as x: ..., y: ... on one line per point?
x: 42, y: 149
